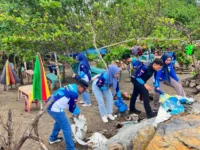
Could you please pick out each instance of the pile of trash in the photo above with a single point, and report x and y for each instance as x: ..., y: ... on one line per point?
x: 171, y: 105
x: 79, y: 130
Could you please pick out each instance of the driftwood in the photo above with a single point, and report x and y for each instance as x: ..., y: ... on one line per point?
x: 31, y: 132
x: 7, y: 143
x: 33, y: 126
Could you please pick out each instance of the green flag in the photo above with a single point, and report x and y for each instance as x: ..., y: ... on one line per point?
x: 37, y: 81
x: 189, y: 49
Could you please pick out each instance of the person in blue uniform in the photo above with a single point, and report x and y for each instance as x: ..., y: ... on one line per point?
x: 84, y: 72
x: 142, y: 74
x: 101, y: 87
x: 65, y: 98
x: 133, y: 63
x: 167, y: 74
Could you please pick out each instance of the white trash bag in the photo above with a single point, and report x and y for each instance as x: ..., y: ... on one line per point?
x: 79, y: 128
x: 162, y: 116
x: 96, y: 140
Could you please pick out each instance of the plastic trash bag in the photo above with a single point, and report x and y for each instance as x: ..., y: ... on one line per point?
x: 162, y: 116
x: 185, y: 100
x: 79, y: 128
x: 96, y: 140
x: 122, y: 107
x: 173, y: 106
x: 163, y: 97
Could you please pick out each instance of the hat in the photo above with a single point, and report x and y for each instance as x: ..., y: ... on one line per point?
x: 82, y: 83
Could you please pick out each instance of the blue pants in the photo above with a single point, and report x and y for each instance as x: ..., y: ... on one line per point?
x: 62, y: 123
x: 104, y: 110
x: 86, y: 97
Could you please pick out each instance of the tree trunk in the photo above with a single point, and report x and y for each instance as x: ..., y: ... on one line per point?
x: 195, y: 65
x: 64, y: 67
x: 15, y: 65
x: 20, y: 72
x: 57, y: 68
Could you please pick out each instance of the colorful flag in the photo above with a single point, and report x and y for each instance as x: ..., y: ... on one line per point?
x: 9, y: 76
x: 40, y: 87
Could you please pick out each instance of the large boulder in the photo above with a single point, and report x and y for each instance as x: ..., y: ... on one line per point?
x: 126, y: 135
x: 142, y: 139
x: 193, y: 109
x: 180, y: 133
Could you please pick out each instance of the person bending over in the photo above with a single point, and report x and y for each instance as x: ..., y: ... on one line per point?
x: 142, y: 74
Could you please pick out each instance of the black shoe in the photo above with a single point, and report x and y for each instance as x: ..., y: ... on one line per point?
x: 135, y: 112
x: 152, y: 115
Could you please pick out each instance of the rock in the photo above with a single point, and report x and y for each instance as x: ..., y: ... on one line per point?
x: 115, y: 146
x: 144, y: 136
x: 198, y: 87
x: 193, y: 109
x: 197, y: 97
x: 126, y: 134
x: 191, y: 85
x: 187, y: 83
x: 180, y: 133
x: 193, y: 81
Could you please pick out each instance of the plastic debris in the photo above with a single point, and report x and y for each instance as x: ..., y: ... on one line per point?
x: 171, y: 105
x: 132, y: 117
x: 122, y: 107
x: 162, y: 116
x: 96, y: 140
x: 79, y: 129
x: 125, y: 123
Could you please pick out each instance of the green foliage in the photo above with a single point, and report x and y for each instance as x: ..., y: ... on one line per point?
x: 92, y: 57
x: 71, y: 61
x: 115, y: 54
x: 65, y: 25
x: 100, y: 64
x: 193, y: 73
x: 183, y: 58
x: 180, y: 10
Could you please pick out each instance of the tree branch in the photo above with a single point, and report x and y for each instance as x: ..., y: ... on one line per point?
x: 94, y: 43
x: 27, y: 134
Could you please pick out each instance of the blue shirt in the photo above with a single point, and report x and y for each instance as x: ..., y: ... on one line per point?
x: 84, y: 73
x: 144, y: 73
x: 65, y: 98
x: 162, y: 76
x: 102, y: 83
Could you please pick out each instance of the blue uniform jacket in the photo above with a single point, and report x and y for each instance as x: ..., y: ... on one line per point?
x: 161, y: 75
x: 70, y: 93
x: 102, y: 83
x: 173, y: 56
x: 83, y: 71
x: 134, y: 64
x: 144, y: 72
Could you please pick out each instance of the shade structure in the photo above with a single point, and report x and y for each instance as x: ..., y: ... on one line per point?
x: 40, y: 87
x: 9, y: 76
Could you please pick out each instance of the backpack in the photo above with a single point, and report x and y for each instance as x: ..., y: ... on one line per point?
x: 137, y: 51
